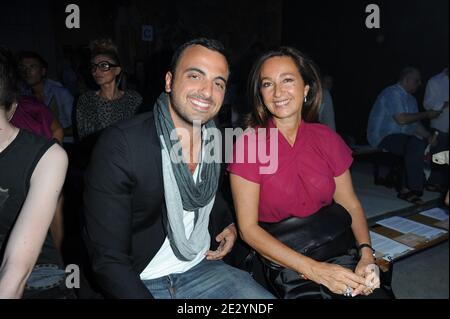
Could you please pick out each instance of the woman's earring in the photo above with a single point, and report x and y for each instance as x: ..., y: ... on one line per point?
x: 305, y: 100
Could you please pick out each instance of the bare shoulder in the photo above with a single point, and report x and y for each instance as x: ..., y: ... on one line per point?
x: 56, y: 154
x: 54, y: 160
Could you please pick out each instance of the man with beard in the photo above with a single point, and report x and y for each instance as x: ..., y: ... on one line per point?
x: 157, y: 227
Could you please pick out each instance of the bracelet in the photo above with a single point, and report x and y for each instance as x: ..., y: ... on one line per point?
x: 368, y: 246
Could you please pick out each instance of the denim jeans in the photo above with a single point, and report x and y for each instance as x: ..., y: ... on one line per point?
x: 208, y: 280
x: 47, y: 281
x: 412, y: 149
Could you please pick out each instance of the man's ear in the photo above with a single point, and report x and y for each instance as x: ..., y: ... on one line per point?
x: 169, y: 79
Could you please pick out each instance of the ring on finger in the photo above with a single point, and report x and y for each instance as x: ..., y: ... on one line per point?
x: 348, y: 291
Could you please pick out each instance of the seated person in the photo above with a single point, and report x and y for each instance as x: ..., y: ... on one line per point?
x: 394, y: 125
x: 312, y: 170
x: 97, y: 110
x: 34, y: 117
x: 158, y: 227
x: 32, y: 172
x: 94, y: 107
x: 33, y: 70
x: 436, y: 98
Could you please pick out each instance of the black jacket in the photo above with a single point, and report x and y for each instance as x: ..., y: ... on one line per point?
x: 124, y: 204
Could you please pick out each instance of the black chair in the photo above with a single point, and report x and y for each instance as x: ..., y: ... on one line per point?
x: 379, y: 158
x: 395, y: 175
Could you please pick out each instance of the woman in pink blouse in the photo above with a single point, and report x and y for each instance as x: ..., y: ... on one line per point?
x: 312, y: 176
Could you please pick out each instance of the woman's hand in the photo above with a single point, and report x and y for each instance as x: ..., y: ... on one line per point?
x: 336, y: 278
x: 369, y: 270
x: 362, y: 264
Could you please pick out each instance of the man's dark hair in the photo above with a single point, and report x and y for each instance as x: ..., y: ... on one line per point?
x: 8, y: 79
x: 407, y: 71
x: 33, y: 55
x: 210, y: 44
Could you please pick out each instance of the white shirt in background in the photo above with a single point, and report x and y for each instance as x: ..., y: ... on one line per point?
x: 436, y: 94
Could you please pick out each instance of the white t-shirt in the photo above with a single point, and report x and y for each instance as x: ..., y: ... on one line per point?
x: 436, y: 94
x: 165, y: 262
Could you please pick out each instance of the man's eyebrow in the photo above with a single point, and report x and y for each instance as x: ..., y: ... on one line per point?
x: 222, y: 79
x: 203, y: 73
x: 195, y: 70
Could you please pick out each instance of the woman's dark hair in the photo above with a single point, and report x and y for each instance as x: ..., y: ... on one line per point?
x: 210, y: 44
x: 105, y: 47
x: 8, y: 79
x: 308, y: 71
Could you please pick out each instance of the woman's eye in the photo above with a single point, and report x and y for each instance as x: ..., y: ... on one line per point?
x: 220, y: 85
x: 265, y: 84
x: 288, y: 80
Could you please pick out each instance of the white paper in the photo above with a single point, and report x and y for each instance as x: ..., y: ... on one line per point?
x: 390, y: 249
x: 435, y: 213
x: 406, y: 226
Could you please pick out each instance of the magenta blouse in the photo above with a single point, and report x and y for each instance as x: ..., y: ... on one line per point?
x: 34, y: 117
x: 304, y: 180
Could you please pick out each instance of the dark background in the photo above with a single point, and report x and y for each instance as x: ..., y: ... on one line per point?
x: 362, y: 61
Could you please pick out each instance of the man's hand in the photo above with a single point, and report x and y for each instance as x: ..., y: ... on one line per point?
x: 432, y: 140
x: 226, y: 240
x: 432, y: 114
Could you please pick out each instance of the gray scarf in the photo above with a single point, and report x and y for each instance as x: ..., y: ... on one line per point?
x: 181, y: 192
